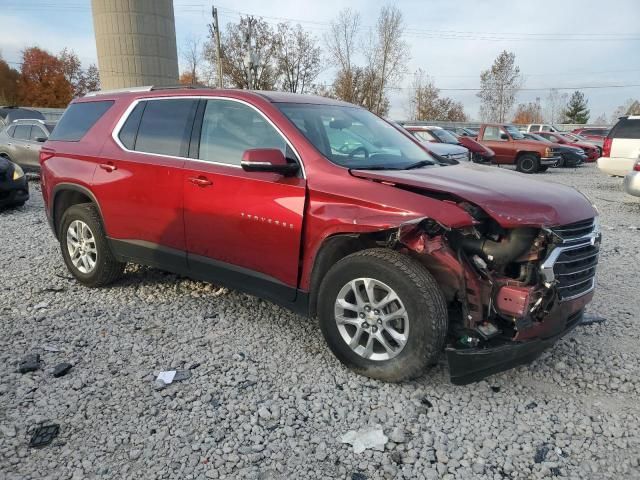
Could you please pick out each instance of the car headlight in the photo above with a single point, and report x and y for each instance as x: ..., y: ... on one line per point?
x: 548, y: 152
x: 17, y: 172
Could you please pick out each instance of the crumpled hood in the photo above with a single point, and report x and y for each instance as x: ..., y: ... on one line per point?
x: 512, y: 199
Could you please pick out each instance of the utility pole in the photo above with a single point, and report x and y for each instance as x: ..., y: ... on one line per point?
x: 216, y: 31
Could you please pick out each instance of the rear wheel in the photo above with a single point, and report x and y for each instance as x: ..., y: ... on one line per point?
x: 528, y: 163
x: 382, y: 314
x: 85, y: 249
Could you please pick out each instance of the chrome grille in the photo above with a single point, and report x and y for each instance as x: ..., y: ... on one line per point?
x: 575, y: 270
x: 571, y: 264
x: 574, y: 231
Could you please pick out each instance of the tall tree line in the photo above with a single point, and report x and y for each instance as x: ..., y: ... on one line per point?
x: 46, y: 80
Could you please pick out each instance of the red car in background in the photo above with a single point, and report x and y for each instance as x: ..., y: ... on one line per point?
x: 592, y: 133
x: 479, y: 153
x: 592, y: 151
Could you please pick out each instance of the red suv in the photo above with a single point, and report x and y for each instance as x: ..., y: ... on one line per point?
x: 329, y: 210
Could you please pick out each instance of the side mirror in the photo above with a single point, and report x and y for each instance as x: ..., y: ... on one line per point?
x: 504, y: 136
x: 267, y: 160
x: 41, y: 139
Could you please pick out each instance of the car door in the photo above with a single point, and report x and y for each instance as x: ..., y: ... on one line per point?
x: 37, y: 132
x: 242, y: 227
x: 21, y: 146
x: 139, y: 181
x: 497, y: 139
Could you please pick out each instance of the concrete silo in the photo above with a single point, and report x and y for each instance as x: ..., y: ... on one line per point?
x: 136, y: 42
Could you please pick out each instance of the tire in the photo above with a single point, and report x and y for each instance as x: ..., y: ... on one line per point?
x: 105, y: 268
x: 560, y: 163
x: 424, y: 325
x: 543, y: 169
x: 528, y: 163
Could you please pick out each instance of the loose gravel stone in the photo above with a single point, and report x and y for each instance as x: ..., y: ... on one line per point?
x: 267, y: 399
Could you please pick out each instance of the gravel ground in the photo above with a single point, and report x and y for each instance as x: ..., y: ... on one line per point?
x: 268, y: 400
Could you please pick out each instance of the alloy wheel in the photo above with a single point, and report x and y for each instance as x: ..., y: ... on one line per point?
x: 371, y: 319
x: 81, y: 245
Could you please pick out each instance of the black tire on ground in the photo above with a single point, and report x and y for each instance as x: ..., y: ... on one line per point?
x: 528, y: 163
x: 423, y: 301
x: 560, y: 163
x: 543, y: 168
x: 107, y: 269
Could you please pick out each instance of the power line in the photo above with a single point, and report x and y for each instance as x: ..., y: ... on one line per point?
x: 410, y: 31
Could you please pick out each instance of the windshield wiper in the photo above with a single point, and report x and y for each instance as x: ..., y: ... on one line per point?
x: 375, y: 167
x: 420, y: 164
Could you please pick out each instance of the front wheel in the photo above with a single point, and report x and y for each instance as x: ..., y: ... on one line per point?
x: 528, y: 163
x: 382, y: 314
x: 85, y: 249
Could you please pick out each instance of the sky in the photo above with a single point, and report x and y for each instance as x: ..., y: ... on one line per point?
x: 562, y: 44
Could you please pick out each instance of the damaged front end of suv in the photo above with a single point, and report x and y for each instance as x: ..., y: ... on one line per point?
x: 512, y: 292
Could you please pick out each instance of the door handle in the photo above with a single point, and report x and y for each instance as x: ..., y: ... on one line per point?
x: 108, y: 167
x: 201, y: 181
x: 9, y: 143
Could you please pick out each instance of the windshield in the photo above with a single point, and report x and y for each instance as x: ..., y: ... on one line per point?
x: 535, y: 136
x: 444, y: 135
x: 355, y: 138
x: 514, y: 132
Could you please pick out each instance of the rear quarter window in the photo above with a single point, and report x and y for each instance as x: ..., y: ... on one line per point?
x: 626, y: 128
x: 77, y: 119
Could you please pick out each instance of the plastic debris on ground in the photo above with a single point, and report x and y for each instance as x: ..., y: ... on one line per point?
x: 590, y: 318
x: 364, y: 439
x: 168, y: 377
x: 44, y: 435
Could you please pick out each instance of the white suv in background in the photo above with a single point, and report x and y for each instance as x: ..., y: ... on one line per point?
x: 621, y: 148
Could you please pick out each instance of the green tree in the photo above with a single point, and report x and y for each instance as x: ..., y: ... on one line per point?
x: 576, y: 110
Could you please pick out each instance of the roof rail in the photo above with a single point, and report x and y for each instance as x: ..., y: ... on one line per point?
x: 18, y: 120
x: 147, y: 88
x: 189, y: 86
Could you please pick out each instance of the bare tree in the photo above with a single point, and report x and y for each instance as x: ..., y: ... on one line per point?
x: 498, y: 87
x: 192, y: 55
x: 299, y: 58
x: 341, y: 41
x: 555, y: 105
x: 389, y: 56
x: 249, y: 54
x: 426, y: 103
x: 630, y: 107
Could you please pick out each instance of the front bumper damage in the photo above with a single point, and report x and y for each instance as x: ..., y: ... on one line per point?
x: 468, y: 365
x: 511, y: 295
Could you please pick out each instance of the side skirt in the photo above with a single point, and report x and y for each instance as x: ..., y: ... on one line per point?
x: 209, y: 270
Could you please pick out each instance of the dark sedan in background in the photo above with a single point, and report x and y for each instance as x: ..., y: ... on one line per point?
x: 14, y: 189
x: 570, y: 156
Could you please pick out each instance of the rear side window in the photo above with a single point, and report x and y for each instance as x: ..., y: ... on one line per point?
x: 22, y: 132
x: 77, y: 119
x: 165, y: 127
x: 129, y: 130
x: 626, y: 128
x: 37, y: 132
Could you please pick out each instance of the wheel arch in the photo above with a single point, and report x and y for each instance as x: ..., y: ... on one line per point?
x: 527, y: 152
x: 333, y: 249
x: 65, y: 195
